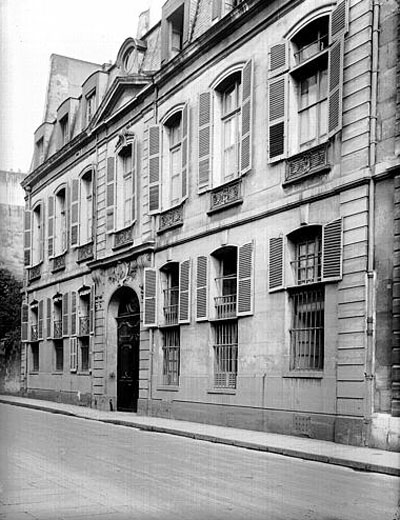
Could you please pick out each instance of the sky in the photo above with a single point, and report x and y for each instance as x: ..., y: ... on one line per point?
x: 32, y: 30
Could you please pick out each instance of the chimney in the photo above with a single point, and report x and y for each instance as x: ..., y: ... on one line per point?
x: 143, y: 24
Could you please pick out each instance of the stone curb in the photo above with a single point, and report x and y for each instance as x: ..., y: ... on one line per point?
x: 288, y: 452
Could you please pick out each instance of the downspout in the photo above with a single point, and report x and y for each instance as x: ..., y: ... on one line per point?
x: 371, y: 275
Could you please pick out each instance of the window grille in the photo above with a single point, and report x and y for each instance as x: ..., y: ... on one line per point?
x: 307, y: 334
x: 34, y: 333
x: 84, y: 326
x: 171, y: 349
x: 225, y: 355
x: 171, y: 297
x: 308, y: 260
x: 57, y: 329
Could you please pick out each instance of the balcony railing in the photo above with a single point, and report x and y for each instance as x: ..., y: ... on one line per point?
x: 84, y: 326
x: 171, y: 297
x: 58, y: 263
x: 34, y: 333
x: 57, y: 329
x: 35, y: 272
x: 225, y: 306
x: 85, y: 252
x: 312, y: 49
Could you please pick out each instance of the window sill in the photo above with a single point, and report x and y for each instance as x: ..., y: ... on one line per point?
x: 84, y: 373
x: 34, y: 373
x: 168, y: 388
x: 57, y: 373
x: 227, y: 391
x: 303, y: 374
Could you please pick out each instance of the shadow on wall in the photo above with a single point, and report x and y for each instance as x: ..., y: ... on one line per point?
x: 10, y: 363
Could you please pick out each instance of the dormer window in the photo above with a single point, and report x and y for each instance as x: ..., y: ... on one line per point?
x: 175, y: 26
x: 222, y: 7
x: 64, y: 134
x: 90, y: 106
x: 40, y: 150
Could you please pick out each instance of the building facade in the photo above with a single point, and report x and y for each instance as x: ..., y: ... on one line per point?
x: 211, y: 226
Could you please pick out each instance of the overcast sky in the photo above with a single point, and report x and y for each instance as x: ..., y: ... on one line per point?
x: 32, y: 30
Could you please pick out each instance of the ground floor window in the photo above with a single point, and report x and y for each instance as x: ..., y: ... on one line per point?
x: 35, y: 357
x: 59, y: 356
x: 171, y: 356
x: 307, y: 333
x: 225, y: 354
x: 84, y: 355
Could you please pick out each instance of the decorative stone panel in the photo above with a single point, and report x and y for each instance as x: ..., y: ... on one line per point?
x: 58, y: 263
x: 35, y: 272
x: 171, y: 218
x: 307, y: 163
x: 226, y: 195
x: 123, y: 237
x: 85, y: 252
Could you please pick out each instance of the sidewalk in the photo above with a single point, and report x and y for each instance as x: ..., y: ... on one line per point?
x: 363, y: 459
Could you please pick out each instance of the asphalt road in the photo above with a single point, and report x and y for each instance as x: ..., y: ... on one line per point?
x: 53, y: 467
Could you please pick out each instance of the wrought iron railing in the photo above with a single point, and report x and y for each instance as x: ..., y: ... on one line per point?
x: 84, y: 326
x: 171, y: 297
x: 57, y: 329
x: 34, y: 333
x: 312, y: 49
x: 225, y: 305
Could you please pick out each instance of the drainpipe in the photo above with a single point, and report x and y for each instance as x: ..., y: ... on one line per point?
x: 371, y: 275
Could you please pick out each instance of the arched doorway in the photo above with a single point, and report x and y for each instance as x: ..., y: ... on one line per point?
x: 128, y: 327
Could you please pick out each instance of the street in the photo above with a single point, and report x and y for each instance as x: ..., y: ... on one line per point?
x: 57, y: 467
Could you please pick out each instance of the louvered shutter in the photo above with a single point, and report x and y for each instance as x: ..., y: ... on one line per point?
x: 150, y: 297
x: 40, y: 320
x: 134, y: 179
x: 184, y: 292
x: 73, y: 313
x: 339, y: 20
x: 24, y: 321
x: 92, y: 309
x: 247, y: 112
x: 277, y: 59
x: 335, y: 86
x: 216, y: 9
x: 110, y: 193
x: 332, y: 250
x: 277, y: 118
x: 48, y: 318
x: 245, y: 280
x: 94, y: 204
x: 42, y: 232
x: 73, y: 354
x: 204, y: 139
x: 27, y: 237
x: 185, y: 155
x: 65, y: 315
x: 154, y: 167
x: 201, y: 288
x: 74, y: 212
x: 276, y: 264
x: 50, y: 227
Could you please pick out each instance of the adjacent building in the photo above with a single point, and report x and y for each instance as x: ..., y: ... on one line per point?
x: 212, y: 222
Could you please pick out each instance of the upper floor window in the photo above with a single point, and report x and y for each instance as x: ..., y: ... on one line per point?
x: 122, y: 187
x: 37, y: 234
x: 86, y: 208
x: 175, y: 29
x: 173, y: 160
x: 225, y: 268
x: 222, y: 7
x: 40, y: 150
x: 60, y: 223
x: 170, y: 283
x: 90, y: 106
x: 225, y: 128
x: 64, y: 133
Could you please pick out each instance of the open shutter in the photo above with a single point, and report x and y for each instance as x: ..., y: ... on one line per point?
x: 94, y: 205
x: 332, y: 251
x: 185, y: 158
x: 335, y: 85
x: 277, y: 94
x: 50, y: 227
x: 204, y: 139
x: 184, y: 292
x: 339, y: 20
x: 150, y: 297
x: 247, y: 111
x: 216, y: 9
x: 245, y: 280
x: 27, y: 237
x: 73, y: 313
x: 24, y: 321
x: 73, y: 354
x: 65, y: 314
x: 40, y: 319
x: 276, y: 265
x: 201, y: 289
x: 48, y: 318
x: 277, y: 59
x: 154, y: 167
x: 110, y: 195
x: 134, y: 179
x: 91, y: 309
x: 74, y: 212
x: 42, y: 232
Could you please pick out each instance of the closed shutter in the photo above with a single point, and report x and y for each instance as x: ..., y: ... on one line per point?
x: 50, y: 227
x: 65, y: 315
x: 154, y: 167
x: 245, y: 280
x: 276, y: 265
x: 73, y: 313
x: 216, y: 9
x: 204, y: 139
x: 184, y: 292
x: 332, y: 250
x: 27, y: 237
x: 185, y: 156
x: 277, y: 118
x: 48, y: 318
x: 74, y: 215
x: 42, y: 233
x: 40, y: 319
x: 110, y: 194
x: 247, y: 112
x: 73, y: 354
x: 134, y: 179
x: 201, y: 288
x: 150, y: 297
x: 92, y: 310
x: 24, y: 321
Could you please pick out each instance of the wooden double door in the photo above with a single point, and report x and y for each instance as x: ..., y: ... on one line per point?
x: 128, y: 362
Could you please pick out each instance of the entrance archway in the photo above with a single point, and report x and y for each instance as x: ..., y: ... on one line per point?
x: 128, y: 341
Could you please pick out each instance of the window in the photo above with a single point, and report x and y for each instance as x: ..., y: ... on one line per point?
x: 86, y: 208
x: 126, y: 185
x: 84, y: 354
x: 34, y: 357
x: 225, y: 128
x: 226, y: 283
x: 64, y: 134
x: 171, y: 356
x: 34, y: 321
x: 90, y: 106
x: 40, y: 151
x: 59, y: 355
x: 175, y: 26
x: 58, y: 317
x: 173, y: 160
x: 222, y: 7
x: 170, y: 274
x: 225, y: 354
x: 37, y: 235
x: 60, y: 236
